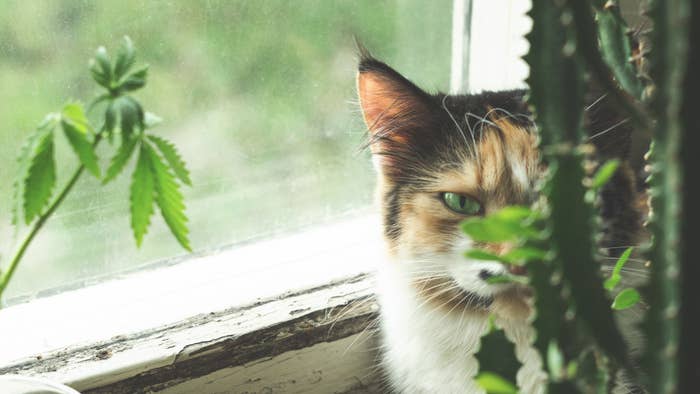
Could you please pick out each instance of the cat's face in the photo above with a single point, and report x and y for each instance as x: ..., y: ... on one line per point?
x: 442, y: 159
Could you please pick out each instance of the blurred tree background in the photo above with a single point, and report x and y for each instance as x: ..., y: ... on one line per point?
x: 275, y: 142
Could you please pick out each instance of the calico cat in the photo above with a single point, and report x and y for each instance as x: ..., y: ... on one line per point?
x: 440, y: 159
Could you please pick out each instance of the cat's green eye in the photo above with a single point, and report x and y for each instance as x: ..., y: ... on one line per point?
x: 462, y: 203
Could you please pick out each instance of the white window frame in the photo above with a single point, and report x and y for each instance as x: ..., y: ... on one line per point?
x: 285, y: 310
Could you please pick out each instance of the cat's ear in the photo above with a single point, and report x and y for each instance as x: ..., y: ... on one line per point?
x: 398, y: 114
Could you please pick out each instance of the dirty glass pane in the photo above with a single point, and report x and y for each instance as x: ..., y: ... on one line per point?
x: 258, y: 95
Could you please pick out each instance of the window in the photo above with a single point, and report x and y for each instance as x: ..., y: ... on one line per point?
x: 257, y: 95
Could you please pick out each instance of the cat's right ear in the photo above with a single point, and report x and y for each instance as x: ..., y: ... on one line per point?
x: 397, y: 113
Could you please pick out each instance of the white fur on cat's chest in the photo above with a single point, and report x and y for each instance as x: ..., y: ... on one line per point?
x: 427, y: 350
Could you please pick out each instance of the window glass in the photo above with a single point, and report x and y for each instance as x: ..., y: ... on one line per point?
x: 258, y: 95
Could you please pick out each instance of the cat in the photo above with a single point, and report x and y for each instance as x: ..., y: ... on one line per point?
x: 440, y: 159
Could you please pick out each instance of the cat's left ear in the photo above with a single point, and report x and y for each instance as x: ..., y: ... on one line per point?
x: 398, y: 114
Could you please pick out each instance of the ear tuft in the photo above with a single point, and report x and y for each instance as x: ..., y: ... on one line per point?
x: 400, y: 117
x: 391, y: 104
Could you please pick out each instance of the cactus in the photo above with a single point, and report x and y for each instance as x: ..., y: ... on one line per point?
x: 615, y: 45
x: 667, y: 63
x: 557, y: 97
x: 564, y: 44
x: 689, y: 342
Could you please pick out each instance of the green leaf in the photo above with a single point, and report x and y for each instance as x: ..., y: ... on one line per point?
x: 524, y: 254
x: 173, y: 158
x: 142, y: 195
x: 169, y: 198
x: 615, y: 277
x: 625, y: 299
x: 75, y: 127
x: 514, y: 214
x: 494, y: 384
x: 495, y: 229
x: 125, y: 58
x: 101, y: 68
x: 24, y: 160
x: 604, y: 173
x: 135, y: 80
x: 73, y: 112
x: 111, y: 117
x: 555, y: 362
x: 509, y: 224
x: 131, y: 115
x: 99, y: 100
x: 120, y: 159
x: 487, y: 231
x: 41, y: 176
x: 479, y: 254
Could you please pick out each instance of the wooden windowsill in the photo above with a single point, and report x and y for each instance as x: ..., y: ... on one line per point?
x: 314, y: 337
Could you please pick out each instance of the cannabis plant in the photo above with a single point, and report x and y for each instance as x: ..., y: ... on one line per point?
x: 157, y: 177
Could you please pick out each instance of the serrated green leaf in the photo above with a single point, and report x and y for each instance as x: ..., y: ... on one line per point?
x: 625, y: 299
x: 616, y: 276
x: 41, y: 176
x: 142, y: 195
x: 125, y: 58
x: 81, y: 146
x: 494, y: 384
x: 73, y: 112
x: 604, y: 173
x: 23, y: 161
x: 478, y: 254
x: 173, y: 158
x: 169, y: 198
x: 76, y: 127
x: 119, y: 160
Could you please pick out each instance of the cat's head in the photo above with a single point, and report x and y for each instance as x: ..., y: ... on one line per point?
x: 441, y: 159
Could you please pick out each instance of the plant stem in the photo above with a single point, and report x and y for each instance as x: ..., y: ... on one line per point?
x: 7, y: 275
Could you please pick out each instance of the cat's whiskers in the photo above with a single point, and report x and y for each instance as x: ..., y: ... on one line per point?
x: 595, y: 102
x: 461, y: 131
x: 371, y: 323
x: 609, y: 129
x: 349, y: 308
x: 619, y: 247
x: 447, y: 287
x: 439, y: 307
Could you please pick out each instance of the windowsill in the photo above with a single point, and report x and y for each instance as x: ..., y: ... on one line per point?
x: 204, y: 315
